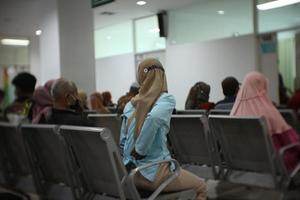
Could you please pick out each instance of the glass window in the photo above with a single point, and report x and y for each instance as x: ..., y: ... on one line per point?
x: 114, y: 40
x: 210, y: 20
x: 147, y: 35
x: 279, y: 18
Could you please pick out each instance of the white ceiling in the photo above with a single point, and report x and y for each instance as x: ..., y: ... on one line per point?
x: 127, y: 9
x: 20, y: 17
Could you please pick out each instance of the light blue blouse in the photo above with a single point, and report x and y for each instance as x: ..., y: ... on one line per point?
x: 152, y: 141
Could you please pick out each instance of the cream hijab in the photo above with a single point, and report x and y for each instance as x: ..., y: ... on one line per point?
x: 152, y: 79
x: 253, y: 100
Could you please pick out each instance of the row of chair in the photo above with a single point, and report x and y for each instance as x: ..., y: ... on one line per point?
x: 71, y: 162
x: 218, y: 147
x: 290, y: 116
x: 235, y: 149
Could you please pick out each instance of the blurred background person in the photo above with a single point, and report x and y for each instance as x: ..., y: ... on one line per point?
x: 42, y: 103
x: 230, y: 87
x: 24, y: 87
x: 294, y: 102
x: 123, y: 100
x: 66, y: 105
x: 83, y: 99
x: 253, y: 100
x: 198, y: 97
x: 97, y: 103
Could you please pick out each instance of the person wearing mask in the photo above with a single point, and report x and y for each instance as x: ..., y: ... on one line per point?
x: 145, y: 125
x: 123, y: 100
x: 24, y: 87
x: 198, y: 97
x: 66, y: 109
x: 253, y: 100
x: 230, y: 88
x: 97, y: 103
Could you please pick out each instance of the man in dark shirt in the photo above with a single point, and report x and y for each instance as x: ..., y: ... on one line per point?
x: 24, y: 84
x: 230, y: 88
x: 66, y: 107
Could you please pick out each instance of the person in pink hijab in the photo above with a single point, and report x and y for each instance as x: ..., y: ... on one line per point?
x: 253, y: 100
x: 43, y: 102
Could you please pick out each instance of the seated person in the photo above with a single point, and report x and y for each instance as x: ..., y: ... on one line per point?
x: 123, y: 100
x: 198, y: 97
x: 24, y: 87
x: 97, y: 103
x: 146, y: 123
x: 253, y: 100
x: 66, y: 105
x: 294, y: 102
x: 83, y: 99
x: 1, y: 99
x: 42, y: 103
x: 230, y: 88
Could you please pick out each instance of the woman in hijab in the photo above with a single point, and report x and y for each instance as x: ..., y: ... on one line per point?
x: 253, y: 100
x: 198, y: 97
x: 146, y: 122
x: 42, y: 102
x: 97, y: 103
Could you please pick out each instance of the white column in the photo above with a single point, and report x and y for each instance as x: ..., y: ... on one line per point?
x: 49, y: 43
x: 35, y: 64
x: 76, y: 36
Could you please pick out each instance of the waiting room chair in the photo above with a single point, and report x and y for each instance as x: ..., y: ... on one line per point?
x: 111, y: 121
x: 103, y: 169
x: 192, y: 145
x: 54, y: 174
x: 191, y: 112
x: 249, y: 154
x: 14, y: 164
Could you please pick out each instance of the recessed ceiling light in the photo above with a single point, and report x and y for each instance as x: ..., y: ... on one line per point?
x: 38, y: 32
x: 154, y: 30
x: 276, y: 4
x: 221, y: 12
x: 15, y: 42
x: 141, y: 3
x: 108, y: 37
x: 236, y: 34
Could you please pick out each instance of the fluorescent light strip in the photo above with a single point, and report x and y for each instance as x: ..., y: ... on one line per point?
x: 276, y: 4
x: 15, y: 42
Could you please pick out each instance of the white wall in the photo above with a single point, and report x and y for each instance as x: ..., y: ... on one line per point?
x: 35, y: 63
x: 210, y: 62
x: 76, y: 36
x: 115, y: 74
x: 49, y: 43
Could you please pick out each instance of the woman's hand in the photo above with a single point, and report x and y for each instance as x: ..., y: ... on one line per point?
x: 136, y: 155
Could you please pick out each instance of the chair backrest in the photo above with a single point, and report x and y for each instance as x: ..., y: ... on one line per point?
x: 111, y: 121
x: 246, y: 144
x: 219, y: 112
x: 191, y: 112
x: 291, y: 118
x: 190, y: 139
x: 99, y: 158
x: 13, y: 150
x: 47, y: 153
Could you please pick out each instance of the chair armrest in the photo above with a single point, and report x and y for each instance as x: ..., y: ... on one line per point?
x: 173, y: 175
x: 287, y: 147
x: 281, y: 154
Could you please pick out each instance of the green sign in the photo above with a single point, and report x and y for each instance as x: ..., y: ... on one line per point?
x: 96, y: 3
